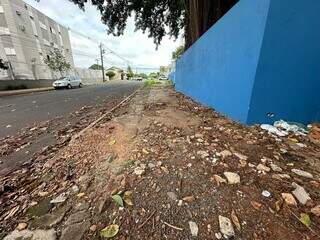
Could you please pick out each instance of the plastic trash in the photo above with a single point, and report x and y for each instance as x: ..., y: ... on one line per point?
x: 273, y: 130
x: 282, y: 128
x: 291, y: 127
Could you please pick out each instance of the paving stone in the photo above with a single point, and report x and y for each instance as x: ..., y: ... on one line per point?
x: 75, y: 231
x: 82, y: 206
x: 19, y: 235
x: 44, y: 235
x: 40, y: 209
x: 78, y: 217
x: 32, y: 235
x: 50, y: 220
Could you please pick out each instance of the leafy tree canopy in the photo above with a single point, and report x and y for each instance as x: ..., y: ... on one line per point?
x: 178, y: 52
x: 142, y: 75
x: 130, y: 73
x: 95, y: 67
x: 110, y: 74
x: 154, y: 16
x: 57, y: 61
x: 161, y: 17
x: 154, y: 75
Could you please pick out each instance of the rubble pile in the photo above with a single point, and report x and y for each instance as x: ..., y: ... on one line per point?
x: 188, y: 174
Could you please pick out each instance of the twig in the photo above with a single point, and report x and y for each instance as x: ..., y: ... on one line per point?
x: 311, y: 230
x: 144, y: 223
x: 174, y: 227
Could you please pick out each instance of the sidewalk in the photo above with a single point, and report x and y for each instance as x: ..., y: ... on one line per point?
x: 164, y: 167
x: 24, y: 91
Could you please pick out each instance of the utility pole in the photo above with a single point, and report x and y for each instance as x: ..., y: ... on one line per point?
x: 101, y: 54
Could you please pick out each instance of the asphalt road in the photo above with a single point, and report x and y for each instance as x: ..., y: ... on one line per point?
x: 18, y: 112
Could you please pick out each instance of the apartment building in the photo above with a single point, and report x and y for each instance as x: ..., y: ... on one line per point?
x: 26, y: 38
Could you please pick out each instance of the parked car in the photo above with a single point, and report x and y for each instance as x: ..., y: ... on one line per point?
x: 162, y: 78
x: 137, y: 79
x: 67, y: 82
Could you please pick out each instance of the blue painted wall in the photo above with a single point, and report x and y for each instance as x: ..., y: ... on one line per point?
x: 219, y: 69
x: 288, y: 75
x: 261, y: 57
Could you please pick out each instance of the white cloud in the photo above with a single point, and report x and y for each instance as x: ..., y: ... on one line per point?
x: 134, y: 46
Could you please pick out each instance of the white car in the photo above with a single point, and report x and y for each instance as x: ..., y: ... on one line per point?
x: 67, y: 82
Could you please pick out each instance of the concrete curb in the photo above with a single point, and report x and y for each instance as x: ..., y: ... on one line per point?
x: 24, y: 91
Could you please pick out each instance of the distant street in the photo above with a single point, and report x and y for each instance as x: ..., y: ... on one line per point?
x: 17, y: 112
x: 32, y: 122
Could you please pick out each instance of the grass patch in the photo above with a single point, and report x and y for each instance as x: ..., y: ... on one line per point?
x: 168, y: 83
x: 129, y: 163
x: 152, y: 82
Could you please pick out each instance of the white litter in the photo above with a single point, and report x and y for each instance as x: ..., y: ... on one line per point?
x: 291, y: 127
x: 273, y: 130
x: 282, y: 128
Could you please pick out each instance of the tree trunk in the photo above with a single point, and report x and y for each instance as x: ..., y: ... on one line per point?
x: 201, y: 15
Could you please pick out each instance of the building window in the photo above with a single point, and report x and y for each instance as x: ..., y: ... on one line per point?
x: 46, y: 42
x: 42, y: 25
x: 10, y: 51
x: 4, y: 31
x: 34, y: 28
x: 1, y: 9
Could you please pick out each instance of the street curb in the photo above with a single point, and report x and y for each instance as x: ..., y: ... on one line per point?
x: 103, y: 116
x: 24, y: 91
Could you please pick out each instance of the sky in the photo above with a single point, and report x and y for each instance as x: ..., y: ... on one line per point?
x: 134, y: 46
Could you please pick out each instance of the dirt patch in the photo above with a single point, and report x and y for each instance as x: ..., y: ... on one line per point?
x: 173, y: 155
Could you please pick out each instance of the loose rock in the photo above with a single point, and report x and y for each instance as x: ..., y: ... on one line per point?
x: 172, y: 196
x: 301, y: 194
x: 316, y: 210
x: 225, y: 153
x: 275, y: 168
x: 194, y: 229
x: 289, y: 199
x: 302, y: 173
x: 60, y: 199
x: 226, y: 227
x: 233, y: 178
x: 263, y: 168
x: 22, y: 226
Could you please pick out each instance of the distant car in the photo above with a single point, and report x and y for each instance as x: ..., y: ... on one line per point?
x: 67, y: 82
x: 137, y: 79
x: 163, y: 78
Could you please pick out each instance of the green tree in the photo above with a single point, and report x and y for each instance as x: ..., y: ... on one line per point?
x: 110, y: 74
x: 154, y: 75
x: 177, y: 53
x: 3, y: 65
x: 56, y: 61
x: 162, y: 17
x: 130, y: 73
x: 142, y: 75
x: 95, y: 67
